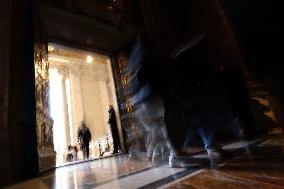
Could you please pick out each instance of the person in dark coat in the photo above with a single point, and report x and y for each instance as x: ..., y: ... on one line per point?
x: 84, y: 138
x: 113, y: 128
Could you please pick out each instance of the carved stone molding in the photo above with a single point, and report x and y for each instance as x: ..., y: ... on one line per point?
x: 44, y: 122
x: 74, y: 67
x: 96, y: 71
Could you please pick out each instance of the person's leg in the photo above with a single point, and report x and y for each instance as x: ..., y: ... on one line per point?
x: 176, y: 130
x: 208, y: 131
x: 210, y: 125
x: 84, y: 149
x: 116, y: 141
x: 208, y: 135
x: 247, y: 122
x: 87, y: 150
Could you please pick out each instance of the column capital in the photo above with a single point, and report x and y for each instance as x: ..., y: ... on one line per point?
x: 64, y: 72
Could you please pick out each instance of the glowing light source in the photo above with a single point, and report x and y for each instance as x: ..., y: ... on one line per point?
x: 89, y: 59
x: 50, y: 48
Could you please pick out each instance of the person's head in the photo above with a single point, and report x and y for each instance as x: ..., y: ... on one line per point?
x: 110, y: 107
x: 83, y: 124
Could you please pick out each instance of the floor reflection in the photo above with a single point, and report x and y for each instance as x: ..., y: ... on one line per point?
x: 260, y: 167
x: 256, y: 164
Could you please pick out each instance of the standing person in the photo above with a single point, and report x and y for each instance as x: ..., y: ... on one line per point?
x: 84, y: 138
x: 113, y: 128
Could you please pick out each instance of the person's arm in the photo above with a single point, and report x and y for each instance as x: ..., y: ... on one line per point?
x: 112, y: 116
x: 79, y: 137
x: 89, y: 135
x: 109, y: 117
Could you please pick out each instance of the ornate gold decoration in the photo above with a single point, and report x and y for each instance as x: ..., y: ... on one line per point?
x: 129, y: 106
x: 124, y: 79
x: 44, y: 123
x: 122, y: 61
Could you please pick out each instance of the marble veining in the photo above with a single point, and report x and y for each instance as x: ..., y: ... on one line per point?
x: 259, y: 167
x: 256, y: 164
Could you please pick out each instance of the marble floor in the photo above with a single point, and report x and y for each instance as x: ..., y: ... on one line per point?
x: 257, y: 163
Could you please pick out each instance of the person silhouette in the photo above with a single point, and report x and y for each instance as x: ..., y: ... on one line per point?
x: 113, y: 128
x: 84, y: 138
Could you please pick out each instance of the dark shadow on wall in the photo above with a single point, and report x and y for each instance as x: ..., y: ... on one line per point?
x: 264, y: 122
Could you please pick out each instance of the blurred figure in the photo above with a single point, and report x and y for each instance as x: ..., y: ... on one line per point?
x: 201, y: 103
x: 84, y: 138
x: 238, y: 96
x: 72, y: 153
x: 113, y: 128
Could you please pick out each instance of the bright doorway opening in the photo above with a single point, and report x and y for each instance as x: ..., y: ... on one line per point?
x: 81, y: 89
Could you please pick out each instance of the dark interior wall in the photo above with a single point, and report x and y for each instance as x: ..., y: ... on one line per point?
x: 86, y: 24
x: 258, y: 24
x: 259, y: 27
x: 168, y: 24
x: 22, y: 92
x: 5, y: 18
x: 20, y: 158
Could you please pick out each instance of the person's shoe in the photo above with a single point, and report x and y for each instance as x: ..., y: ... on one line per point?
x: 217, y: 156
x: 101, y: 154
x: 114, y: 152
x: 181, y: 160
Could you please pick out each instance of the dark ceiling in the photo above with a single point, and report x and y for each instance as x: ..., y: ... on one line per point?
x: 102, y: 25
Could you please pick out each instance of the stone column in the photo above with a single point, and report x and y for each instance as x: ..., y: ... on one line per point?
x: 76, y: 101
x: 104, y: 100
x: 65, y: 107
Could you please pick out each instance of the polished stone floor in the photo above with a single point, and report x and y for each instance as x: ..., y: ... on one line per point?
x: 257, y: 163
x: 261, y: 166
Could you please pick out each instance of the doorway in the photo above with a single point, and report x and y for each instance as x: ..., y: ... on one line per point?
x: 81, y: 87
